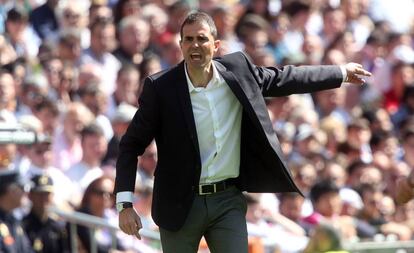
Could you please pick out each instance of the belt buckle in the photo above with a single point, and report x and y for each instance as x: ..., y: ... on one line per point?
x: 200, y: 190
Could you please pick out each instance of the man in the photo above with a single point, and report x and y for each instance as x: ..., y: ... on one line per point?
x: 214, y: 139
x: 45, y: 233
x: 94, y: 147
x: 134, y: 38
x: 99, y: 53
x: 12, y: 236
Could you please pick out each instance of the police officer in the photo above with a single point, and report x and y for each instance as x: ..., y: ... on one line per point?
x: 46, y: 234
x: 12, y: 236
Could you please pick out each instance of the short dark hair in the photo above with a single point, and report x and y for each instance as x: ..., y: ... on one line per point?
x: 92, y: 129
x: 199, y: 17
x: 321, y: 188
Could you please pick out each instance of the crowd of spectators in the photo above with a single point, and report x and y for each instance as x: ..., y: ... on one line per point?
x: 72, y: 71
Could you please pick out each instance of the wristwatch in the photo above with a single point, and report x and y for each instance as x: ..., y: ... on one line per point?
x: 122, y: 205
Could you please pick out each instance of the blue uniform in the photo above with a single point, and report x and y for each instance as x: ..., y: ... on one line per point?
x: 12, y: 236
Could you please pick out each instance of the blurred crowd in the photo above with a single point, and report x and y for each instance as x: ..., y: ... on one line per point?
x: 72, y: 71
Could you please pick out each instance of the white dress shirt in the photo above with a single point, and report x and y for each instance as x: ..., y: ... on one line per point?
x: 217, y: 115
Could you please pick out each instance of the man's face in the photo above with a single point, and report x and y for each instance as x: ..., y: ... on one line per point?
x: 103, y: 38
x: 14, y: 195
x: 329, y: 204
x: 135, y: 38
x: 40, y: 154
x: 94, y: 146
x: 198, y: 45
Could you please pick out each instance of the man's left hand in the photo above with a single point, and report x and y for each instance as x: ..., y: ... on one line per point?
x: 353, y: 73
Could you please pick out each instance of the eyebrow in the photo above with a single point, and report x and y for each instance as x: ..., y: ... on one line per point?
x: 196, y: 36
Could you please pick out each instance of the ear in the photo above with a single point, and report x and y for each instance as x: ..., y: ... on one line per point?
x: 216, y: 45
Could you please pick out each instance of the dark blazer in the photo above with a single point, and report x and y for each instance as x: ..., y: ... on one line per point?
x: 165, y: 114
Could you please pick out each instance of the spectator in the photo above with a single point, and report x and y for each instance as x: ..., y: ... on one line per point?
x: 66, y: 146
x: 334, y: 23
x: 47, y: 112
x: 12, y: 237
x: 374, y: 213
x: 225, y: 19
x: 96, y: 101
x: 46, y: 234
x: 98, y: 201
x: 7, y: 93
x: 20, y: 36
x: 134, y: 38
x: 127, y: 89
x: 149, y: 66
x: 102, y: 43
x: 69, y: 46
x: 71, y: 15
x: 157, y: 19
x: 327, y: 206
x: 120, y: 121
x: 81, y: 174
x: 34, y: 89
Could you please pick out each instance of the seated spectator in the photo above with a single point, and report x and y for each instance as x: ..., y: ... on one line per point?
x: 134, y: 37
x: 48, y: 114
x: 71, y: 15
x: 98, y: 201
x: 66, y: 146
x: 120, y: 122
x: 99, y: 53
x: 94, y: 147
x: 127, y: 89
x: 20, y: 35
x: 374, y: 213
x: 96, y: 100
x: 327, y: 207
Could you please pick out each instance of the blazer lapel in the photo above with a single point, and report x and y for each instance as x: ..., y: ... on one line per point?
x: 234, y: 85
x: 185, y: 102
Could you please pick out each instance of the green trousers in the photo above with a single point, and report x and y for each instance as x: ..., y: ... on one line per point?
x: 219, y: 217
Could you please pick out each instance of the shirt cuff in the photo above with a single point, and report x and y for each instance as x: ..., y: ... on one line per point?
x: 344, y: 74
x: 124, y: 197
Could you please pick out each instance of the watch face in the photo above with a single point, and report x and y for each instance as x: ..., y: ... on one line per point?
x: 119, y: 207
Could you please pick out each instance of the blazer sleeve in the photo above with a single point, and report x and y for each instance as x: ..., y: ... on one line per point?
x: 141, y: 131
x: 276, y: 82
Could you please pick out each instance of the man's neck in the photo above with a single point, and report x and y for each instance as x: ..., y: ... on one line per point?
x: 91, y: 162
x: 98, y: 54
x: 200, y: 76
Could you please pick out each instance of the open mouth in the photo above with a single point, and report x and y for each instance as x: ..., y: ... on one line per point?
x: 195, y: 56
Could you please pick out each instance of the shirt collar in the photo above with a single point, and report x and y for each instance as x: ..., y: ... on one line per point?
x: 216, y: 79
